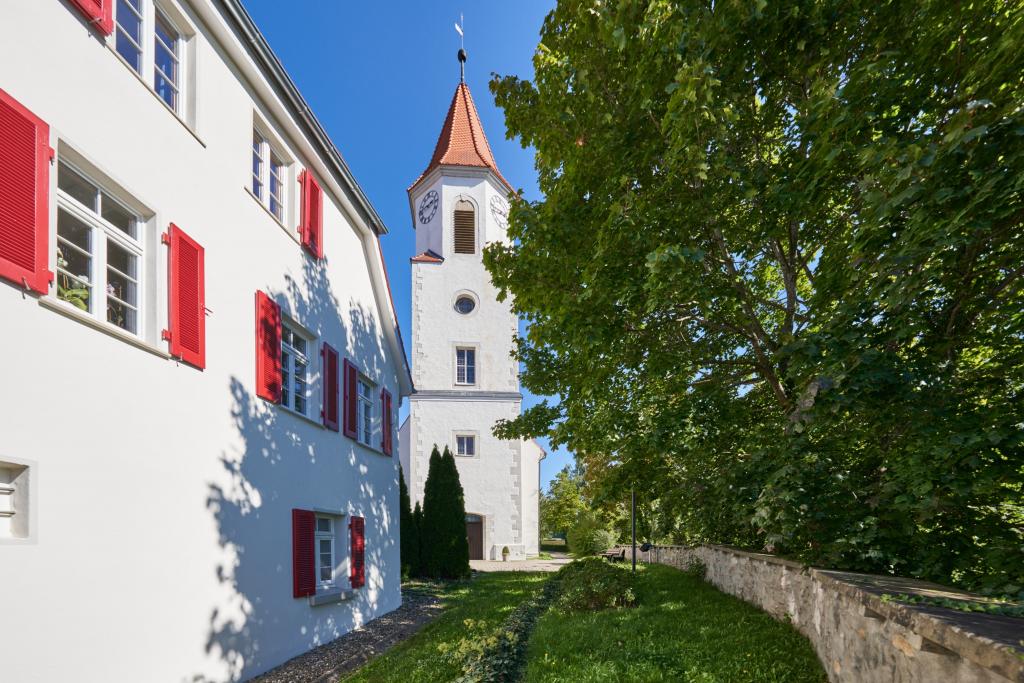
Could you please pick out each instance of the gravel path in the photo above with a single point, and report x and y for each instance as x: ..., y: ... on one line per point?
x: 557, y: 561
x: 328, y: 662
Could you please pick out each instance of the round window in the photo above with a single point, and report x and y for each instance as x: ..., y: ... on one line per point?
x: 464, y: 304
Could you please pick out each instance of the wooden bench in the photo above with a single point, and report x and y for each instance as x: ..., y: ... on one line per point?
x: 615, y: 555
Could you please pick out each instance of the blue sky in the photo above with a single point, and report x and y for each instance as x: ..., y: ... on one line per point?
x: 380, y: 77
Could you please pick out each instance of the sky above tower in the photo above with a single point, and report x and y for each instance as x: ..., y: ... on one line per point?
x: 380, y: 78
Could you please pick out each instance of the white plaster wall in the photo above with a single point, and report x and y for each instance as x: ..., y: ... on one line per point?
x: 164, y: 493
x: 532, y: 455
x: 403, y: 451
x: 429, y: 234
x: 490, y: 480
x: 438, y: 328
x: 493, y: 480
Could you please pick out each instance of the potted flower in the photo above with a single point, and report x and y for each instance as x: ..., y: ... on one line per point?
x: 504, y: 554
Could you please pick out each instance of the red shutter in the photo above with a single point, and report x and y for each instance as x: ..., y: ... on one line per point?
x: 385, y: 411
x: 303, y: 553
x: 268, y: 348
x: 100, y: 13
x: 311, y: 227
x: 330, y: 410
x: 351, y: 415
x: 186, y: 314
x: 24, y: 196
x: 357, y: 574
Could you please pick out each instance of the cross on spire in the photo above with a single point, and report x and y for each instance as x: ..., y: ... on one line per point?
x: 462, y: 48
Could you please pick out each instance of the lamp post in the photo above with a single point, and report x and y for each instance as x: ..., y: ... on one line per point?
x: 632, y: 516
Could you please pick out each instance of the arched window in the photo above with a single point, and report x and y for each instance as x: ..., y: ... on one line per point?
x: 465, y: 228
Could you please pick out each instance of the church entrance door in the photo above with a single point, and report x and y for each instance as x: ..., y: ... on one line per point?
x: 475, y: 536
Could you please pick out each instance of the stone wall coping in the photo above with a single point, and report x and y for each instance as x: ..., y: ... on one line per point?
x: 992, y: 641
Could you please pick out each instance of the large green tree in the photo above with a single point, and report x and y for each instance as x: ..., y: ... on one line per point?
x: 776, y: 275
x: 562, y: 504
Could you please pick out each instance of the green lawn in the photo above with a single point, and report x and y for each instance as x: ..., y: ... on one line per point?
x: 683, y: 630
x: 488, y: 598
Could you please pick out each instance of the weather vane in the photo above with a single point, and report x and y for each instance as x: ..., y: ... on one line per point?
x: 462, y: 48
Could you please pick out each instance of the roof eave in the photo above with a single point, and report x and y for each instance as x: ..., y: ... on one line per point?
x: 272, y: 67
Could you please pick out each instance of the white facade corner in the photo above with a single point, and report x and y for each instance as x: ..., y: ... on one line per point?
x: 166, y: 488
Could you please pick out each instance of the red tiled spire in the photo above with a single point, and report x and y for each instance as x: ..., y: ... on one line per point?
x: 462, y: 141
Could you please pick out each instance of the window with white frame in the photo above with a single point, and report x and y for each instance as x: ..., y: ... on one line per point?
x: 155, y: 40
x: 465, y: 365
x: 295, y: 385
x: 364, y: 411
x: 129, y: 32
x: 269, y: 175
x: 465, y: 445
x: 166, y: 60
x: 99, y: 251
x: 325, y: 558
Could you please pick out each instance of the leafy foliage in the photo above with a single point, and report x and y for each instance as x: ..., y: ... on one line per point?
x: 497, y: 656
x: 588, y: 536
x: 1000, y: 607
x: 444, y: 547
x: 562, y: 504
x: 776, y: 274
x: 696, y: 568
x: 592, y: 584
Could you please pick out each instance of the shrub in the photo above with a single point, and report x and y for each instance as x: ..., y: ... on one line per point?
x: 410, y: 542
x: 487, y: 655
x: 696, y: 568
x: 593, y: 584
x: 589, y: 537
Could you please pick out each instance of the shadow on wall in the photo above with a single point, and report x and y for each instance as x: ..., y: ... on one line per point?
x: 281, y: 462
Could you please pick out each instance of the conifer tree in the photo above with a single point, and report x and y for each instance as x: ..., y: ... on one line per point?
x: 416, y: 564
x: 409, y: 543
x: 456, y: 560
x: 445, y: 547
x: 432, y: 503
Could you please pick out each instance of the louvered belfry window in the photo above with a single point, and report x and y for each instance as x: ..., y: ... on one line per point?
x: 465, y: 228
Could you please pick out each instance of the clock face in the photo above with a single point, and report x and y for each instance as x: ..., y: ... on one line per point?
x: 428, y: 207
x: 499, y: 209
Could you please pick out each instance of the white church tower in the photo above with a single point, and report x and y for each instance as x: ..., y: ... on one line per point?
x: 462, y: 339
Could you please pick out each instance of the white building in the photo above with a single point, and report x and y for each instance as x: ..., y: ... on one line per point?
x: 201, y: 361
x: 462, y: 340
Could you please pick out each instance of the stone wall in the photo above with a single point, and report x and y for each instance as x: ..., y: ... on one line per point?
x: 858, y: 636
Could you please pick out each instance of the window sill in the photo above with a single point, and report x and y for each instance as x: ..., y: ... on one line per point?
x: 375, y: 450
x: 73, y: 313
x: 331, y: 596
x: 293, y: 234
x: 304, y: 418
x: 140, y: 79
